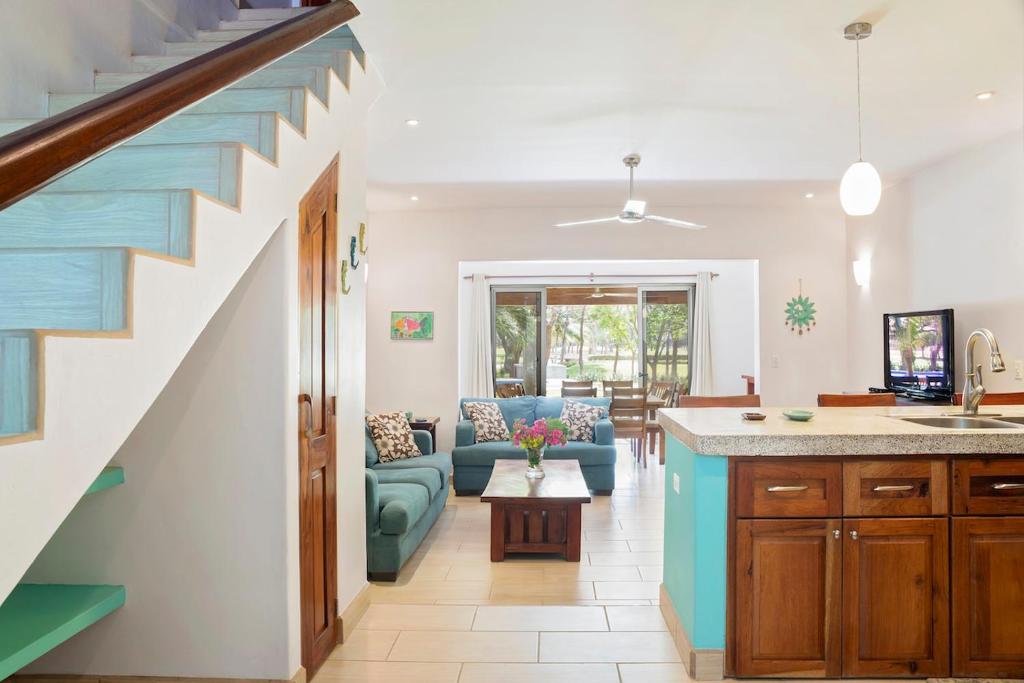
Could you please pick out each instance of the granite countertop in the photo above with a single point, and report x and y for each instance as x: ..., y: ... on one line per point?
x: 837, y: 431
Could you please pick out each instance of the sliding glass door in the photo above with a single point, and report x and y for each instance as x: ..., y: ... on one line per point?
x: 664, y: 321
x: 517, y: 316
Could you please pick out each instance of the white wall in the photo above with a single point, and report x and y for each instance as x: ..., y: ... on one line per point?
x: 734, y: 312
x: 416, y: 267
x: 200, y: 533
x: 56, y: 45
x: 951, y: 235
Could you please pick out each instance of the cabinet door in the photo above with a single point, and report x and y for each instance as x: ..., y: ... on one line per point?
x: 896, y: 597
x: 788, y: 588
x: 988, y: 598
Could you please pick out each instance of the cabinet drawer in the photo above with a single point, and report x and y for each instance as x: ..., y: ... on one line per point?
x: 779, y: 489
x: 988, y: 487
x: 895, y: 488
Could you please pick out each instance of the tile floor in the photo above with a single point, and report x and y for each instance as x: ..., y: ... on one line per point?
x: 454, y: 617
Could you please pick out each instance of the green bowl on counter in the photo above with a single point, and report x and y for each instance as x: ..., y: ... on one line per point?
x: 798, y: 415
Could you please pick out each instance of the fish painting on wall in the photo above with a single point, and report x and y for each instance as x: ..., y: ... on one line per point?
x: 412, y: 325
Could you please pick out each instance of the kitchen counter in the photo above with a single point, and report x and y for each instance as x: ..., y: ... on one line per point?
x: 837, y: 431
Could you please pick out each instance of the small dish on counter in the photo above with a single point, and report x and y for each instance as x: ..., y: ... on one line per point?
x: 753, y: 417
x: 798, y: 415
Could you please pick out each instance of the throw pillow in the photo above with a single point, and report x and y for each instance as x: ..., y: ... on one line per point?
x: 392, y: 436
x: 487, y: 421
x: 580, y: 418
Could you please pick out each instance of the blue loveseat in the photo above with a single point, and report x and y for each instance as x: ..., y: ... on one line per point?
x: 403, y: 500
x: 474, y: 461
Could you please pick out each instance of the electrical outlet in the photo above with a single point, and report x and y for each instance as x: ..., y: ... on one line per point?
x: 675, y: 482
x: 1018, y: 370
x: 775, y: 360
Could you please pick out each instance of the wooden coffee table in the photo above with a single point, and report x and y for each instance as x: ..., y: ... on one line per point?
x: 536, y: 515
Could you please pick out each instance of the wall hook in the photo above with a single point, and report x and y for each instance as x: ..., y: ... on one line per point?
x: 352, y: 253
x: 345, y: 288
x: 362, y: 239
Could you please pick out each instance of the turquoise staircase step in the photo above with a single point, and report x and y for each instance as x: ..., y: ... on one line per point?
x: 288, y: 102
x: 19, y: 373
x: 255, y: 129
x: 337, y: 59
x: 35, y: 618
x: 207, y: 167
x: 10, y: 125
x: 157, y: 220
x: 314, y: 78
x: 65, y: 289
x: 110, y: 477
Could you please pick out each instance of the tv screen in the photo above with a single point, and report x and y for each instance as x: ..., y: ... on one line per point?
x: 918, y: 350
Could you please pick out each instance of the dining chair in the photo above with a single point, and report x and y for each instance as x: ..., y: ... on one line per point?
x: 509, y: 390
x: 741, y: 401
x: 628, y: 414
x: 856, y: 400
x: 1014, y: 398
x: 661, y: 395
x: 609, y: 384
x: 579, y: 392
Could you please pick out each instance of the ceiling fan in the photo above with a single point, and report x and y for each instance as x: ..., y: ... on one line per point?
x: 635, y: 209
x: 598, y: 293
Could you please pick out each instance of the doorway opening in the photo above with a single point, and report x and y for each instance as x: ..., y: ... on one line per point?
x: 543, y: 335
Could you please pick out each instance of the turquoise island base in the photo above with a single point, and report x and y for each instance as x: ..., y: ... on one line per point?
x: 693, y: 588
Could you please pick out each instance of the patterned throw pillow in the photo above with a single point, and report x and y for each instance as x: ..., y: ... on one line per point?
x: 487, y: 421
x: 580, y: 419
x: 392, y: 436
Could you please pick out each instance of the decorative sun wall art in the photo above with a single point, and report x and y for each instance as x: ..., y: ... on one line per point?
x: 800, y: 311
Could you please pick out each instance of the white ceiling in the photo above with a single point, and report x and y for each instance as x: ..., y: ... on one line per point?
x: 520, y: 101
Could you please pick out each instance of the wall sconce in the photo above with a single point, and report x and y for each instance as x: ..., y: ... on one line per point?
x: 862, y: 272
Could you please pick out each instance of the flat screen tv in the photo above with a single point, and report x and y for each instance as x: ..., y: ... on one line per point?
x: 919, y: 351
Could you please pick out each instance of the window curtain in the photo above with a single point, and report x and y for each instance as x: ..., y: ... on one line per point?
x: 702, y: 383
x: 480, y: 383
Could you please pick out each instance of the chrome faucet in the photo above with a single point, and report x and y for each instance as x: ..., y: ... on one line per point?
x: 973, y: 389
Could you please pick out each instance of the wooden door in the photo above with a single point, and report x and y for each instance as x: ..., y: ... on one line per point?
x: 788, y: 588
x: 988, y: 597
x: 318, y: 224
x: 896, y: 597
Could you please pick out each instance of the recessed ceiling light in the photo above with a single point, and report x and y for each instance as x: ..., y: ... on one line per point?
x: 808, y: 195
x: 986, y: 95
x: 412, y: 123
x: 414, y: 198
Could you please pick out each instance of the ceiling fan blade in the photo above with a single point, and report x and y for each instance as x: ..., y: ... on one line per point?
x: 594, y: 220
x: 675, y: 221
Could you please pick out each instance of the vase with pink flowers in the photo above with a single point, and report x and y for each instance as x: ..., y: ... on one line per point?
x: 534, y: 439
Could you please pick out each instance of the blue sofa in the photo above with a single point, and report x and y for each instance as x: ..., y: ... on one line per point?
x: 403, y: 500
x: 474, y: 461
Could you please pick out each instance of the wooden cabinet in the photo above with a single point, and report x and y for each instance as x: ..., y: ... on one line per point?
x: 988, y: 597
x: 895, y: 597
x: 884, y: 567
x: 895, y: 488
x: 789, y: 489
x: 788, y: 591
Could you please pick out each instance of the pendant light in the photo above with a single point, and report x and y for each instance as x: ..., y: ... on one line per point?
x: 861, y: 187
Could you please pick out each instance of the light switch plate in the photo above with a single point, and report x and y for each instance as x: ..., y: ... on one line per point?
x: 1018, y: 370
x: 675, y: 482
x: 775, y: 360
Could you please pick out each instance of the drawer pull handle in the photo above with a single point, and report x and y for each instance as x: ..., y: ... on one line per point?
x: 786, y: 489
x: 893, y: 487
x: 1007, y: 486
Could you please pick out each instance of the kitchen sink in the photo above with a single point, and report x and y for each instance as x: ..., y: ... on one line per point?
x: 959, y: 422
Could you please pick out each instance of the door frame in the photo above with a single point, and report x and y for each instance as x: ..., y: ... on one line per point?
x: 641, y: 324
x: 541, y: 331
x: 315, y: 653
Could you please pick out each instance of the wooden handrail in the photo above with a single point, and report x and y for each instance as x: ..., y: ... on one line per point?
x: 34, y: 156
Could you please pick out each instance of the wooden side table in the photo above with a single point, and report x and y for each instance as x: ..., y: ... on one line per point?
x: 426, y: 424
x: 536, y: 515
